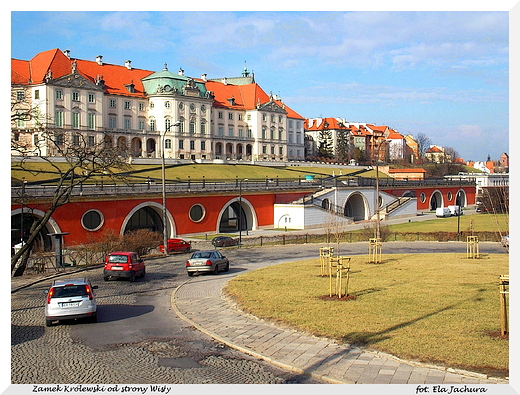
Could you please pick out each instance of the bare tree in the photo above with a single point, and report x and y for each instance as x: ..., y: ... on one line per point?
x: 423, y: 143
x: 83, y: 160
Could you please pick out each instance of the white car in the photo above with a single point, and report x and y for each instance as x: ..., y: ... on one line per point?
x: 505, y: 241
x: 70, y: 299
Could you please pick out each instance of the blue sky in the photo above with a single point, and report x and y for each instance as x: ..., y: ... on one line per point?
x: 441, y: 73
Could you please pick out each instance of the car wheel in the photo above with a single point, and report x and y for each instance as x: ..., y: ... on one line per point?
x: 215, y: 271
x: 132, y: 277
x: 105, y: 278
x: 93, y: 318
x: 226, y: 268
x: 48, y: 322
x: 143, y: 273
x: 190, y: 274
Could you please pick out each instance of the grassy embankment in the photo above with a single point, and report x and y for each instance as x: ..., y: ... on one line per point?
x: 42, y: 171
x: 435, y: 308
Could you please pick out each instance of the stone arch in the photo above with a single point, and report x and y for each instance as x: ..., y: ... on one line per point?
x: 227, y: 220
x: 436, y: 200
x: 16, y: 224
x: 153, y: 214
x: 461, y: 198
x: 136, y: 147
x: 219, y: 150
x: 356, y: 207
x: 150, y: 147
x: 229, y: 150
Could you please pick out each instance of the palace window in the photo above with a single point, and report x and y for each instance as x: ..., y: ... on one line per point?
x: 75, y: 120
x: 58, y: 119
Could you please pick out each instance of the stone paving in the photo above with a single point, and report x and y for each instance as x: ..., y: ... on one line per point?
x: 200, y: 302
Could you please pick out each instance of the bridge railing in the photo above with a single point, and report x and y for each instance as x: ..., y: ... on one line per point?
x: 104, y: 189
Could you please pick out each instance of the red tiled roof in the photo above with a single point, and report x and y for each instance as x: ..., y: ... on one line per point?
x: 407, y: 171
x: 54, y: 60
x: 433, y: 149
x: 361, y: 131
x: 394, y: 135
x: 116, y: 77
x: 246, y: 97
x: 319, y: 124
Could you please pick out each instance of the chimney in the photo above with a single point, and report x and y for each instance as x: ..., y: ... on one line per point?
x: 99, y: 60
x: 224, y: 81
x: 204, y: 77
x: 67, y: 53
x: 128, y: 64
x: 180, y: 72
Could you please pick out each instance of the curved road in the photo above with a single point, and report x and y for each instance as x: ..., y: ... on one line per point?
x: 139, y: 339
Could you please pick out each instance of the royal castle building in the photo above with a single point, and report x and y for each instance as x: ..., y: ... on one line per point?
x: 146, y: 114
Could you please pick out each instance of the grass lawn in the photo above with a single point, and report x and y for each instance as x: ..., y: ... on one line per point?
x: 139, y: 173
x: 441, y: 308
x: 477, y: 222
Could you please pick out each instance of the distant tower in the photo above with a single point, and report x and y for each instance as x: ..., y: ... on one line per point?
x: 245, y: 73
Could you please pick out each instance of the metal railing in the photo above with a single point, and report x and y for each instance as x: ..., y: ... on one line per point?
x: 181, y: 187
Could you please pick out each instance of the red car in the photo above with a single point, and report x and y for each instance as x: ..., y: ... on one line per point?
x: 177, y: 245
x: 123, y: 264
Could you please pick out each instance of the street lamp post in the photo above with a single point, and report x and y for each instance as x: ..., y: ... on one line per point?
x: 163, y: 176
x: 458, y: 210
x: 240, y: 211
x: 378, y: 218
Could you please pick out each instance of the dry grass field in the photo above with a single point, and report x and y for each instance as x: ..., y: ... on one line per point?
x: 436, y: 308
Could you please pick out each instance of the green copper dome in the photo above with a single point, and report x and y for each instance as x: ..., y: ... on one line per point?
x: 165, y: 82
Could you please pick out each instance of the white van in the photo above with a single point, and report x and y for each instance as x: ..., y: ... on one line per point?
x: 455, y: 210
x: 443, y: 212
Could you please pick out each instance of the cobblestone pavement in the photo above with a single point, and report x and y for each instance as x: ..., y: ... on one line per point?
x: 133, y: 341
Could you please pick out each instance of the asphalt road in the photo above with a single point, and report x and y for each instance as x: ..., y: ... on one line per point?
x: 139, y: 339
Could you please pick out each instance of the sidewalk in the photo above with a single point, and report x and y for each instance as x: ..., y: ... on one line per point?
x: 200, y: 302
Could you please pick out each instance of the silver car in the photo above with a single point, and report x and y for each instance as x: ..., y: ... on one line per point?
x: 69, y: 299
x: 206, y: 261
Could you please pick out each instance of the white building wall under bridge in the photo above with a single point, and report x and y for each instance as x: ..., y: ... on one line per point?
x: 353, y: 204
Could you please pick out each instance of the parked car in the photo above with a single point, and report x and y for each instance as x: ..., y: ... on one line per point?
x: 70, y: 299
x: 177, y: 245
x: 207, y: 261
x: 224, y: 241
x: 124, y: 264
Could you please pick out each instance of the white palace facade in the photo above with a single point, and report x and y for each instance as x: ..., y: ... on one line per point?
x: 199, y: 119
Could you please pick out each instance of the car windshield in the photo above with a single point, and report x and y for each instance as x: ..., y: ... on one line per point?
x: 70, y: 290
x: 117, y: 259
x: 203, y: 254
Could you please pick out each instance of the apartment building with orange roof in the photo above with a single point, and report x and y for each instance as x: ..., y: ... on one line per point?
x: 141, y: 111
